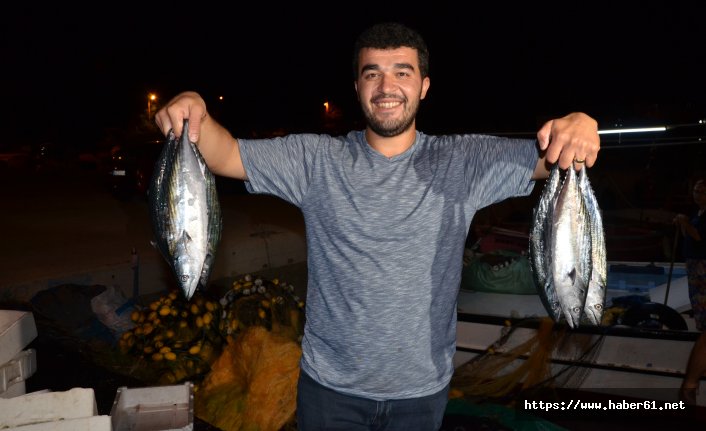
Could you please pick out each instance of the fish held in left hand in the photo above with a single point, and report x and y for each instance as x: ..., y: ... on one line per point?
x: 540, y: 240
x: 595, y: 296
x: 570, y: 246
x: 567, y: 250
x: 185, y: 212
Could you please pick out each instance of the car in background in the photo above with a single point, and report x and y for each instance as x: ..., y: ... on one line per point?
x: 131, y: 167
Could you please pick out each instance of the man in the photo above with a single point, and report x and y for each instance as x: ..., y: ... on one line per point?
x: 693, y: 230
x: 387, y: 211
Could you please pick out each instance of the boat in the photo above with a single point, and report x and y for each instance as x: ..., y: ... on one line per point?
x: 642, y: 352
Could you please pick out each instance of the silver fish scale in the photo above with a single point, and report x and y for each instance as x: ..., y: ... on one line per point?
x: 570, y: 249
x: 595, y: 297
x: 185, y: 212
x: 214, y: 222
x: 540, y: 238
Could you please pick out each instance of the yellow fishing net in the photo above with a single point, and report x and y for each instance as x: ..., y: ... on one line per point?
x: 504, y: 371
x: 253, y: 384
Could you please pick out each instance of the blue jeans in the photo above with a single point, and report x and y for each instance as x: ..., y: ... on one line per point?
x: 321, y: 408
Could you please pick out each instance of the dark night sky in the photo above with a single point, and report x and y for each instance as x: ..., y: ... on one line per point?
x: 500, y: 67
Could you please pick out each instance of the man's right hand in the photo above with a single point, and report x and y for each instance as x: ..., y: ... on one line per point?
x: 215, y: 143
x: 187, y: 105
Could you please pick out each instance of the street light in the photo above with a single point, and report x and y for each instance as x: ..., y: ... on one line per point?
x: 150, y: 98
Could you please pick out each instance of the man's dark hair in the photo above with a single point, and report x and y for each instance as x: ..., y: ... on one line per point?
x: 391, y: 35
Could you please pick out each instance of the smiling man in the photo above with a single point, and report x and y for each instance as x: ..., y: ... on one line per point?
x: 387, y: 210
x: 390, y: 87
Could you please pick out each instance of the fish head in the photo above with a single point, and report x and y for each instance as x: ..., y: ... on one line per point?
x: 188, y: 273
x: 594, y: 313
x: 572, y: 312
x: 187, y: 268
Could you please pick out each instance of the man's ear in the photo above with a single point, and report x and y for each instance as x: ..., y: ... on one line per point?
x: 426, y: 82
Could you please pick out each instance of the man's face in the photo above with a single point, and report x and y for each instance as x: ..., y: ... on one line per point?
x: 389, y: 88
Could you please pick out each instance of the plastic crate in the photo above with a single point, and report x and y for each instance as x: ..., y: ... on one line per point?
x: 14, y: 372
x: 15, y: 390
x: 154, y: 408
x: 17, y: 330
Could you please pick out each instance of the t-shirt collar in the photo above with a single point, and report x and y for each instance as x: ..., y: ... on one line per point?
x: 375, y: 153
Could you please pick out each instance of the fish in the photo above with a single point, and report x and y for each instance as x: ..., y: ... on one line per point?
x: 595, y: 297
x: 570, y: 249
x: 185, y: 212
x: 540, y: 239
x: 567, y: 249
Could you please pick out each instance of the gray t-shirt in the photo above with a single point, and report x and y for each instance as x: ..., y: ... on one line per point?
x: 385, y: 240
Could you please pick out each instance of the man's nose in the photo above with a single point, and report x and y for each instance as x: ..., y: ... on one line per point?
x: 387, y: 83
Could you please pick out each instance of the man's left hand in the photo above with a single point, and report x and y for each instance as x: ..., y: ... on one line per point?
x: 570, y: 139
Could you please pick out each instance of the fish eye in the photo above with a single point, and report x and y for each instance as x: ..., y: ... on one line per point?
x: 598, y: 306
x: 185, y: 278
x: 576, y: 309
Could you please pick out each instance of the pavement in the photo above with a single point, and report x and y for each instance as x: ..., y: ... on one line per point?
x: 65, y: 226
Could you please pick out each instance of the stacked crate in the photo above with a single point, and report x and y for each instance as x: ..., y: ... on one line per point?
x: 155, y: 408
x: 73, y: 410
x: 17, y: 330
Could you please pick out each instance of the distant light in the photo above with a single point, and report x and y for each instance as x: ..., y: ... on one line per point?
x: 637, y: 130
x: 151, y: 97
x: 326, y: 106
x: 220, y: 97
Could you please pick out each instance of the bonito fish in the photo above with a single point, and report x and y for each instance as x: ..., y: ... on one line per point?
x: 540, y: 238
x: 185, y: 212
x: 567, y: 249
x: 595, y: 297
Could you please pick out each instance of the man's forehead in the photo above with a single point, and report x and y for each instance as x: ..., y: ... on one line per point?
x: 389, y: 56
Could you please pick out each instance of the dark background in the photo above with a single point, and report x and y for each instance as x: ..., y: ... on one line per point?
x: 73, y: 75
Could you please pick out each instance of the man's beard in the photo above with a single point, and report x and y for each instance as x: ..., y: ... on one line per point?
x: 390, y: 128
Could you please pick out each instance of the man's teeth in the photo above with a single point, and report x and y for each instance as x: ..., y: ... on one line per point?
x: 388, y: 104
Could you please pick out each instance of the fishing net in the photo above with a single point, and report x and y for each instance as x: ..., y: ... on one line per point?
x: 253, y: 384
x: 516, y: 365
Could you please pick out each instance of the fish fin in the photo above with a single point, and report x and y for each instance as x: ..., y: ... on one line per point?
x: 206, y: 269
x: 572, y: 276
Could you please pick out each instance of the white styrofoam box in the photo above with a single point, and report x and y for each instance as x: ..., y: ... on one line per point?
x: 17, y: 330
x: 92, y: 423
x: 16, y: 371
x: 154, y: 408
x: 46, y: 407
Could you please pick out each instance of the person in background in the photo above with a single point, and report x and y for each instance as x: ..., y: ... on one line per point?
x: 693, y: 230
x: 387, y: 211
